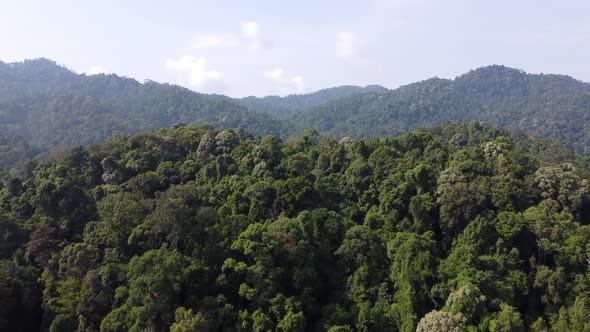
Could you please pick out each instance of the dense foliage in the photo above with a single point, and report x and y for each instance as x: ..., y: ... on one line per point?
x: 44, y: 106
x: 546, y: 106
x: 47, y: 106
x: 193, y: 229
x: 291, y: 105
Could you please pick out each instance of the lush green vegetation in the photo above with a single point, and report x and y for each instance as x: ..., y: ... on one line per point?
x: 291, y: 105
x: 48, y: 106
x: 546, y: 106
x: 193, y: 229
x: 44, y: 106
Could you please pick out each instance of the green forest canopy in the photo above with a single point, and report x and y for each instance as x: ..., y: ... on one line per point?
x: 545, y: 106
x: 193, y: 229
x: 44, y: 106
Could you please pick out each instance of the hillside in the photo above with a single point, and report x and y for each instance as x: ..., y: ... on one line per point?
x: 547, y: 106
x: 291, y: 105
x: 44, y: 105
x: 195, y: 229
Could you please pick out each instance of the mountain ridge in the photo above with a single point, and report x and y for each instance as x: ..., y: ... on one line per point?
x: 292, y: 104
x: 44, y: 105
x: 548, y: 105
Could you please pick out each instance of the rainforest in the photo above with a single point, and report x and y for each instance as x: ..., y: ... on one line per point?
x: 191, y: 228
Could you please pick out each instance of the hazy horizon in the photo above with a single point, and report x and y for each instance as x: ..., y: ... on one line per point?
x: 258, y: 48
x: 294, y: 93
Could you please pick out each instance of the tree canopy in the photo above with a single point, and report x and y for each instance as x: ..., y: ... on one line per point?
x: 194, y: 229
x: 46, y: 109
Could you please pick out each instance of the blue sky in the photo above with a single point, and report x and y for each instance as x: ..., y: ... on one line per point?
x: 242, y: 48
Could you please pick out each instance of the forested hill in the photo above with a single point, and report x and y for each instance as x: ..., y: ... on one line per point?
x: 43, y: 105
x: 547, y: 106
x: 195, y: 229
x: 294, y: 104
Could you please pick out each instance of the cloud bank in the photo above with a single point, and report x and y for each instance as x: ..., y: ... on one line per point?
x: 195, y: 72
x: 95, y: 70
x: 283, y: 83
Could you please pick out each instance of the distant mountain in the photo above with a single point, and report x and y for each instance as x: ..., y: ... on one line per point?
x: 294, y: 104
x: 547, y: 106
x: 44, y: 105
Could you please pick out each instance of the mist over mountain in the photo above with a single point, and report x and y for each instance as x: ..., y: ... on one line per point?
x: 44, y: 105
x: 293, y: 104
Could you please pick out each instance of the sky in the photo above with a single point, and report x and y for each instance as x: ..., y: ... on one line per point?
x: 242, y: 48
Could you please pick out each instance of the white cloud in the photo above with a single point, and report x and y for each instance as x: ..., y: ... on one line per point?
x: 275, y: 74
x: 249, y: 36
x: 297, y: 81
x: 95, y: 70
x: 213, y: 40
x: 285, y: 84
x: 194, y: 71
x: 251, y: 33
x: 346, y: 44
